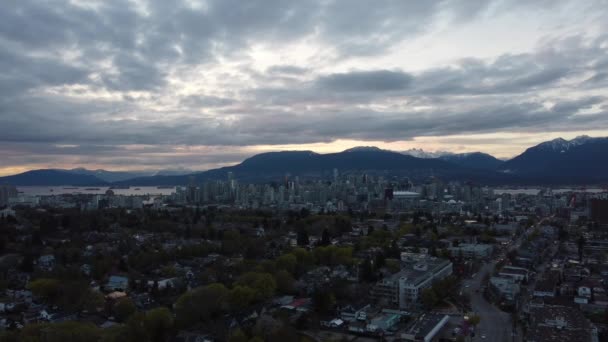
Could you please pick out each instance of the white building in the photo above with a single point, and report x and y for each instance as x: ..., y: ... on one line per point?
x: 404, y: 288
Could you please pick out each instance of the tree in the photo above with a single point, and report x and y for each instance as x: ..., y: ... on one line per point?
x: 158, y: 323
x: 201, y: 304
x: 237, y: 336
x: 302, y: 237
x: 135, y: 329
x: 366, y: 271
x: 92, y: 300
x: 59, y: 332
x: 325, y: 238
x: 429, y: 298
x: 380, y: 260
x: 284, y: 281
x: 287, y: 262
x: 323, y: 300
x: 123, y: 308
x: 284, y: 333
x: 116, y: 333
x: 474, y: 320
x: 393, y: 265
x: 27, y: 264
x: 486, y: 278
x: 46, y: 288
x: 304, y: 212
x: 393, y: 251
x: 580, y: 243
x: 263, y: 284
x: 241, y: 297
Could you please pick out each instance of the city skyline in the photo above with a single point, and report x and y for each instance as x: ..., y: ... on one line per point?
x: 206, y: 84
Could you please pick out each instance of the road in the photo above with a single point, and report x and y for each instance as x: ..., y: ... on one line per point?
x: 495, y: 325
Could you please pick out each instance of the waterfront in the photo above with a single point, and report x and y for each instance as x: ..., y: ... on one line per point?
x: 93, y: 190
x: 535, y: 191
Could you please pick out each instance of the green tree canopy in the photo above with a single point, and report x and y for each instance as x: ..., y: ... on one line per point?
x: 158, y: 323
x: 123, y: 308
x: 201, y: 304
x: 263, y: 284
x: 241, y: 297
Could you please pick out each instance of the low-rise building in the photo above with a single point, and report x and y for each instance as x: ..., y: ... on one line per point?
x: 383, y: 322
x: 558, y: 323
x: 472, y: 251
x: 117, y: 283
x: 517, y: 273
x: 505, y: 287
x: 352, y: 313
x: 544, y: 288
x: 425, y: 328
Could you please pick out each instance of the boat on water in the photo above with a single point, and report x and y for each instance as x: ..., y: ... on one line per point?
x: 90, y: 189
x: 165, y: 187
x: 137, y: 189
x: 119, y: 187
x: 70, y: 188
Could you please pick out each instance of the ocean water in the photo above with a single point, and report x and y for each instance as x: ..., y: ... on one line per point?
x: 535, y: 191
x: 92, y: 190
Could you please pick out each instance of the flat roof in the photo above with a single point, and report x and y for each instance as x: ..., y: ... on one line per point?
x: 427, y: 324
x: 415, y: 276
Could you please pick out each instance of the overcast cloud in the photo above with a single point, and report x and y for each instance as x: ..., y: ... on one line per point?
x: 198, y: 84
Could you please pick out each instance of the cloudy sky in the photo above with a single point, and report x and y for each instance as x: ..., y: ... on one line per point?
x: 156, y: 84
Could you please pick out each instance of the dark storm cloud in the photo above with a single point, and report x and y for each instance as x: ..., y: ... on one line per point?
x: 395, y: 126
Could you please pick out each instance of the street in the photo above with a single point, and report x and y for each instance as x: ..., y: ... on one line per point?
x: 494, y: 324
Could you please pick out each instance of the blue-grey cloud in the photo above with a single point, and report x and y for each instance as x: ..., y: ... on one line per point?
x: 103, y: 75
x: 366, y: 81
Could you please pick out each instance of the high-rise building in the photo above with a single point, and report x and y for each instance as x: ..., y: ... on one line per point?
x: 599, y: 211
x: 6, y: 192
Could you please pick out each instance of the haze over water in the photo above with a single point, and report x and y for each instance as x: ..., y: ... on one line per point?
x: 93, y: 190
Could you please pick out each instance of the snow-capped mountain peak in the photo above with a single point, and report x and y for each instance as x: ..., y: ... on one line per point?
x: 420, y: 153
x: 563, y: 145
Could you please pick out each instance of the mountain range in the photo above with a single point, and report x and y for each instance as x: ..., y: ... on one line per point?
x: 475, y: 160
x: 582, y: 160
x: 117, y: 176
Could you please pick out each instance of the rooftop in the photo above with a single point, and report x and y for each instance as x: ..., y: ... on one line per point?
x: 426, y: 326
x: 417, y: 272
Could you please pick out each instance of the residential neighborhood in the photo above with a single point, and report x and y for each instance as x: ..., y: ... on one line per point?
x: 531, y: 269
